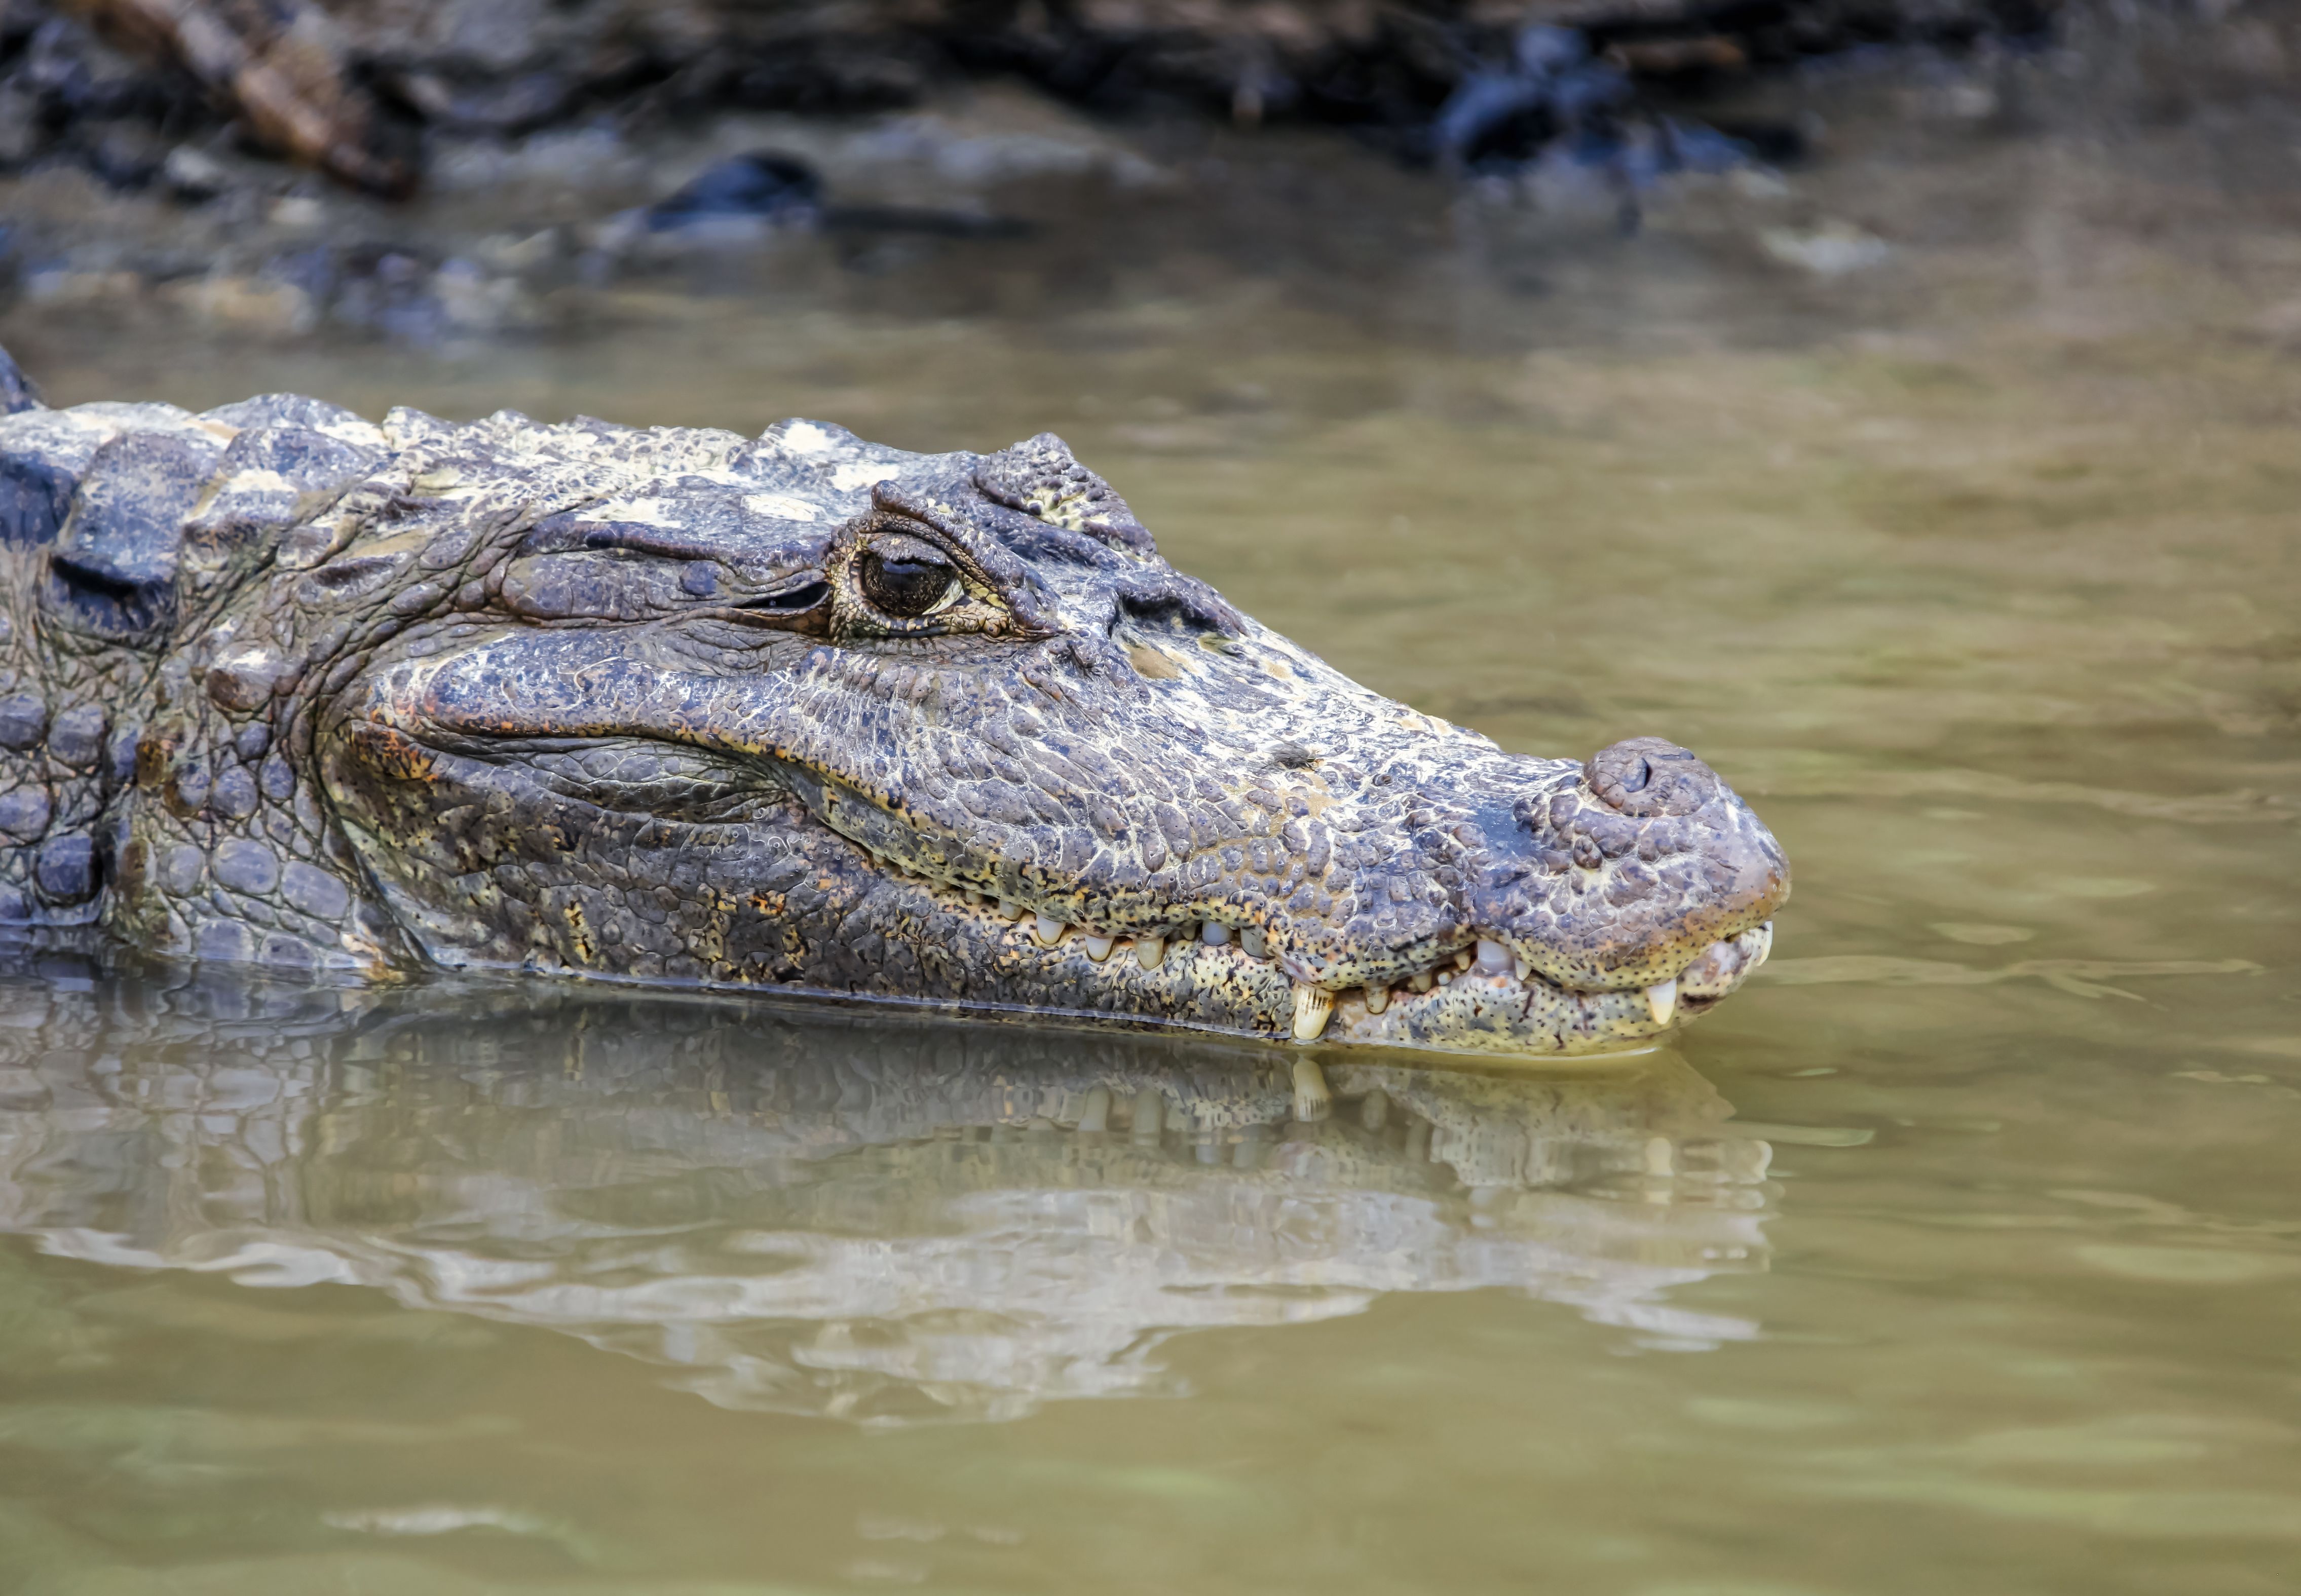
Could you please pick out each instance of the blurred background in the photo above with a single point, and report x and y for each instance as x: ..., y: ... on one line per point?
x: 1897, y: 403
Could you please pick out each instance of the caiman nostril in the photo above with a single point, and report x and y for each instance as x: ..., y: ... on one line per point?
x: 1646, y: 776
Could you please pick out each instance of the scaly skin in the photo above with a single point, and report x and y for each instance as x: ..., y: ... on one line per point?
x: 290, y: 688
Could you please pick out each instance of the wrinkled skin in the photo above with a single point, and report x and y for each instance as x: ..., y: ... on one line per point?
x: 800, y: 712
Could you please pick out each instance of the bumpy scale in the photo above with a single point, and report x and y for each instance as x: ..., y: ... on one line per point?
x: 281, y: 685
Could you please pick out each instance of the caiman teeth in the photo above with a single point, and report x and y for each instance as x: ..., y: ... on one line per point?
x: 1488, y: 959
x: 1661, y: 1000
x: 1314, y: 1005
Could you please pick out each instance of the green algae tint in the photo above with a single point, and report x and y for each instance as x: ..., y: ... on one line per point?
x: 1958, y: 1252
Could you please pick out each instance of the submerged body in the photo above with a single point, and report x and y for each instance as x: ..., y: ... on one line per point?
x: 289, y: 686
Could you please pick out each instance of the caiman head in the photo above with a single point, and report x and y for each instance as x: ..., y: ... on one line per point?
x: 809, y: 713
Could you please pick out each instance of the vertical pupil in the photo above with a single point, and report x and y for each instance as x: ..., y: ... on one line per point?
x: 904, y: 587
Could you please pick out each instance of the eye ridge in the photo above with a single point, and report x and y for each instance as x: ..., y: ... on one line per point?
x: 907, y: 585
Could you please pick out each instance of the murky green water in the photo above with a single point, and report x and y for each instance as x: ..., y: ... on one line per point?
x: 1959, y: 1252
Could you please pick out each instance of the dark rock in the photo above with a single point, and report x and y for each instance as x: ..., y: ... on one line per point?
x: 194, y: 174
x: 761, y: 188
x: 513, y: 104
x: 1552, y: 90
x: 16, y: 394
x: 1471, y: 84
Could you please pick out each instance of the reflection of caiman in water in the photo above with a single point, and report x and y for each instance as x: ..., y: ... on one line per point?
x: 809, y: 1213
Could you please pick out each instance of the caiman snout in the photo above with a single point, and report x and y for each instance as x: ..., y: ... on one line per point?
x: 1630, y: 889
x: 1634, y: 866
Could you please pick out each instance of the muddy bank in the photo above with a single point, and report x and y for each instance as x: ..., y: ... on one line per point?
x: 438, y: 173
x: 348, y: 84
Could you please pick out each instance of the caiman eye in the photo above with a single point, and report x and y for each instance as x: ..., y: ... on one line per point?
x: 907, y: 581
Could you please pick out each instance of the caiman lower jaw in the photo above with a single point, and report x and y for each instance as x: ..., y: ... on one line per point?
x: 1488, y: 1005
x: 1479, y: 1000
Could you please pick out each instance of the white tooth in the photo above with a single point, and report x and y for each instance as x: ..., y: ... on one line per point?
x: 1377, y: 997
x: 1008, y: 909
x: 1374, y: 1109
x: 1765, y: 935
x: 1520, y: 968
x: 1095, y: 1114
x: 1661, y: 1000
x: 1255, y: 944
x: 1462, y: 959
x: 1046, y: 929
x: 1312, y: 1100
x: 1313, y: 1007
x: 970, y: 898
x: 1098, y: 948
x: 1150, y: 952
x: 1213, y: 934
x: 1494, y: 958
x: 1420, y: 981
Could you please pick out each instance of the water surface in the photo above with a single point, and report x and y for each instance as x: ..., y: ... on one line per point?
x: 1959, y: 1251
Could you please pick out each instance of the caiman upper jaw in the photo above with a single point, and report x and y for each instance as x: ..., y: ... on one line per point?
x: 1481, y: 997
x: 1631, y: 871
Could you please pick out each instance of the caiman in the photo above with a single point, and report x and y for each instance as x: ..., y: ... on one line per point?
x: 287, y: 687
